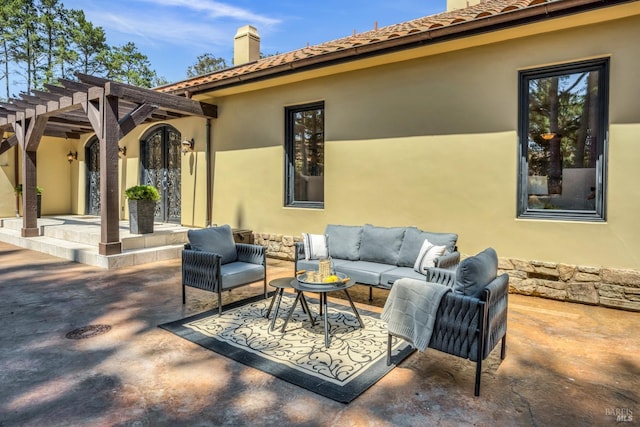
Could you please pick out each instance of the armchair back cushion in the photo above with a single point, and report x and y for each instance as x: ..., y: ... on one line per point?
x: 344, y: 241
x: 413, y: 240
x: 476, y: 272
x: 381, y: 244
x: 218, y: 240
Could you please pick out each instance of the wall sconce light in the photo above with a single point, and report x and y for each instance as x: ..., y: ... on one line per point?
x: 548, y: 136
x: 71, y: 156
x: 187, y: 145
x: 123, y: 151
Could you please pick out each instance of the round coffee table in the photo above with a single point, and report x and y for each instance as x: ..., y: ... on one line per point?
x: 322, y: 289
x: 281, y: 284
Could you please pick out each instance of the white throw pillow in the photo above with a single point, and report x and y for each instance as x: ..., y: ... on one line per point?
x: 428, y: 253
x: 315, y: 246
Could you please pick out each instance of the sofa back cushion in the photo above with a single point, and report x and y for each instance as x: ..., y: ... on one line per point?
x: 218, y: 240
x: 476, y: 272
x: 343, y: 241
x: 413, y: 240
x: 381, y: 244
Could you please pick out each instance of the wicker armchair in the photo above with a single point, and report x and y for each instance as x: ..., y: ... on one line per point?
x: 212, y: 261
x: 472, y: 319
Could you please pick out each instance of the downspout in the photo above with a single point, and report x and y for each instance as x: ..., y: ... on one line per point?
x: 208, y: 169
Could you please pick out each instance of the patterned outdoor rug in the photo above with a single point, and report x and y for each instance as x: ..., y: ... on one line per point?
x: 354, y: 361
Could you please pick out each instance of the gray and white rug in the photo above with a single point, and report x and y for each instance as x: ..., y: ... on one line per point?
x: 354, y: 361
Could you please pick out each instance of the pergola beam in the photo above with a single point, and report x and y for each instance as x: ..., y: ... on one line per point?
x: 92, y: 104
x: 147, y: 96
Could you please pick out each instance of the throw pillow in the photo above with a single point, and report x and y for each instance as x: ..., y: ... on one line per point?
x: 315, y: 246
x: 428, y: 253
x: 412, y: 243
x: 218, y: 240
x: 476, y: 272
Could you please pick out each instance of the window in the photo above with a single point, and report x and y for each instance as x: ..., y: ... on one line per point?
x: 563, y: 130
x: 304, y: 143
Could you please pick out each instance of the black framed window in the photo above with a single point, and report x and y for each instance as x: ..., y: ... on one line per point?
x: 304, y: 147
x: 563, y: 141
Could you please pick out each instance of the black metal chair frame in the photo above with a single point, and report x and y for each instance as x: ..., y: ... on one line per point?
x: 203, y: 270
x: 469, y: 327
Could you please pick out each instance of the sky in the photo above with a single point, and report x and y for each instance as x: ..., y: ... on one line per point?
x: 173, y: 33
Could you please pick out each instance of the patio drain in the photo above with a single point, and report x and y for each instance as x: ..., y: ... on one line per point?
x: 88, y: 332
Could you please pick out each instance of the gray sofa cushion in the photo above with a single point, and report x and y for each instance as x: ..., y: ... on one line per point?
x: 381, y: 244
x: 476, y: 272
x: 218, y: 240
x: 312, y: 264
x: 412, y: 242
x: 365, y: 272
x: 388, y: 278
x: 344, y: 241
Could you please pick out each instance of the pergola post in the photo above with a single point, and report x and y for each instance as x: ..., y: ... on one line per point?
x: 29, y: 195
x: 29, y: 131
x: 109, y: 216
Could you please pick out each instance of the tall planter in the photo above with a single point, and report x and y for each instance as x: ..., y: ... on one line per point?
x: 142, y: 208
x: 141, y: 215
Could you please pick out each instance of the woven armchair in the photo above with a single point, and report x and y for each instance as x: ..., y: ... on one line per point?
x: 470, y: 326
x: 212, y: 261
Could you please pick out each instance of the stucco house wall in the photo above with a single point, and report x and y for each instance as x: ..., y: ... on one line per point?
x: 433, y: 142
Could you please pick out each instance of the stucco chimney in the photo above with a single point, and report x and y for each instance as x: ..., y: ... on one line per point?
x: 246, y: 45
x: 460, y: 4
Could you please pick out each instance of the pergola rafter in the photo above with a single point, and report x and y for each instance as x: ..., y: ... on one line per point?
x: 72, y: 108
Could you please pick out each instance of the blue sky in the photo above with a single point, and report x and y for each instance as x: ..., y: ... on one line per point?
x: 173, y: 33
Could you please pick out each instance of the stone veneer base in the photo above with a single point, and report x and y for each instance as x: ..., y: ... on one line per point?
x: 607, y: 287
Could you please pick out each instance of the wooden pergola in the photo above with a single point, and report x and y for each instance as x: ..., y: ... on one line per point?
x: 91, y: 104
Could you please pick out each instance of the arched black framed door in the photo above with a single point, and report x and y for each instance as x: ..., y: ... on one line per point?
x: 92, y: 160
x: 161, y: 167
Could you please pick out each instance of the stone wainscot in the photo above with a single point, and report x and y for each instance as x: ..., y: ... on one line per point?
x: 607, y: 287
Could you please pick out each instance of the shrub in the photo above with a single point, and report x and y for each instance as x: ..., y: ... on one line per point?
x: 142, y: 192
x: 18, y: 189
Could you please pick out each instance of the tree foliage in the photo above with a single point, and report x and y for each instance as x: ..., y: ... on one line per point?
x: 41, y: 41
x: 563, y: 125
x: 205, y: 64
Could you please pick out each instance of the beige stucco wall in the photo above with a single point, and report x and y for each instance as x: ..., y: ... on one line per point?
x: 193, y: 170
x: 432, y: 142
x: 54, y: 176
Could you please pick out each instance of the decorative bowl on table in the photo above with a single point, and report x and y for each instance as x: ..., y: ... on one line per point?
x: 313, y: 278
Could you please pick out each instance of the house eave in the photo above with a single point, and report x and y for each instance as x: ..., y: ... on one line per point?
x: 545, y: 11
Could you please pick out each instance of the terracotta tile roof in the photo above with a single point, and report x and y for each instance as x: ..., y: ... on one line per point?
x: 401, y: 33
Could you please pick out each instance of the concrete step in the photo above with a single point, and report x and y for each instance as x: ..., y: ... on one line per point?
x: 77, y: 238
x: 88, y: 254
x: 86, y: 230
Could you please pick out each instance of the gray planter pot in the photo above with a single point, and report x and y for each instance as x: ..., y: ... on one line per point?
x: 141, y: 215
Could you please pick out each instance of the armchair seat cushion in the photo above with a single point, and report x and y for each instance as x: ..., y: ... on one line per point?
x: 239, y: 273
x: 217, y: 240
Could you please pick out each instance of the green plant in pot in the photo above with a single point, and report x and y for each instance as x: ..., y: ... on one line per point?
x: 142, y: 208
x: 18, y: 191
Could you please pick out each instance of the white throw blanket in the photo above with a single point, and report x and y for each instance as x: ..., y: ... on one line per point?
x: 411, y: 308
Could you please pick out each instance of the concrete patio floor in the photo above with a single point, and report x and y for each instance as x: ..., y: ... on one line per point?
x: 567, y: 364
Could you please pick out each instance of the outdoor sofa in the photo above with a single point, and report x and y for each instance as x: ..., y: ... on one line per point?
x: 377, y: 256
